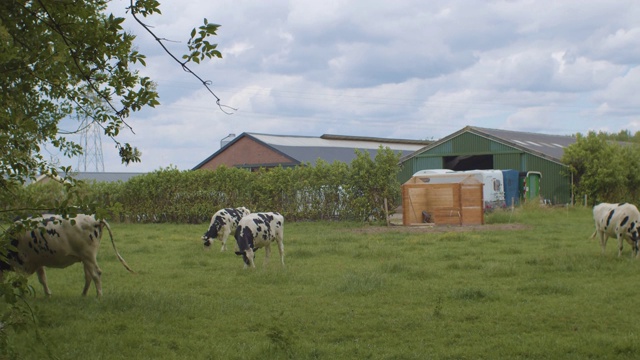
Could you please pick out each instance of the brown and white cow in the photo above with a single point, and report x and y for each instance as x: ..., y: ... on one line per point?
x: 621, y: 221
x: 259, y: 230
x: 223, y: 223
x: 57, y: 242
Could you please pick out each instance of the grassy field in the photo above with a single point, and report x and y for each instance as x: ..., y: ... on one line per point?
x: 352, y: 291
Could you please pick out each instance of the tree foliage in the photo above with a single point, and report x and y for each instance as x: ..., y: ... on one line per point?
x: 336, y: 191
x: 60, y: 58
x: 604, y: 170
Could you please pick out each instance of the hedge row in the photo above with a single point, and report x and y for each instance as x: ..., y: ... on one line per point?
x: 324, y: 191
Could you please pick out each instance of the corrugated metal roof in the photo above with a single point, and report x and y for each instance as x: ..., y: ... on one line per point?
x: 545, y: 145
x: 550, y: 145
x: 330, y: 148
x: 309, y: 149
x: 98, y: 176
x: 334, y: 142
x: 106, y: 176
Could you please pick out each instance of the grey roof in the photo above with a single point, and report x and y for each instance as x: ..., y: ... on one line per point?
x: 100, y: 176
x: 547, y: 146
x: 330, y: 148
x: 106, y: 176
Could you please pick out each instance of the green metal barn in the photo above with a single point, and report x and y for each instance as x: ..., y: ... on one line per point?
x: 476, y: 148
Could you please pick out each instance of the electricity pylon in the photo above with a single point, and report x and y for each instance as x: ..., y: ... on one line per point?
x: 90, y: 139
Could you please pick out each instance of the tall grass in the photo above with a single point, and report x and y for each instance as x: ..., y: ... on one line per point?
x: 351, y: 291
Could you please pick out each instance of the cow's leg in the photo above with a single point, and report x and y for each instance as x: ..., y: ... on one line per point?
x: 603, y: 241
x: 92, y: 272
x: 225, y: 234
x: 620, y: 241
x: 267, y: 254
x: 251, y: 255
x: 42, y: 277
x: 281, y: 250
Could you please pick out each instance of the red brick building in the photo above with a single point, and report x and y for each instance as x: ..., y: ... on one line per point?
x: 253, y: 151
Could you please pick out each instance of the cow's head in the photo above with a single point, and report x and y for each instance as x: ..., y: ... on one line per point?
x: 212, y: 233
x: 206, y: 241
x: 634, y: 230
x: 245, y: 258
x: 243, y: 211
x: 634, y: 233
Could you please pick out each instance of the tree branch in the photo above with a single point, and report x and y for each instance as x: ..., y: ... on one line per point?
x: 184, y: 66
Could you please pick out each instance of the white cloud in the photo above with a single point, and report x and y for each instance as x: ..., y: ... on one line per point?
x: 406, y: 68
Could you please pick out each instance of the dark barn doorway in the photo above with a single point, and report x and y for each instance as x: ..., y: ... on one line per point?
x: 468, y: 162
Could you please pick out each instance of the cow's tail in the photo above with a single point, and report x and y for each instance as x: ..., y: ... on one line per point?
x: 105, y: 224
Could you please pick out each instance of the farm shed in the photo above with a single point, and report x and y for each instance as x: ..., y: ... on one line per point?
x: 454, y: 199
x: 476, y: 148
x: 254, y: 151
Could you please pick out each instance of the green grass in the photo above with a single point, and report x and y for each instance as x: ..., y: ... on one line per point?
x: 351, y: 291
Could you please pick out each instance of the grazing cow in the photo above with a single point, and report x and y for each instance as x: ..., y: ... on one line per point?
x: 621, y: 221
x: 259, y: 230
x: 56, y: 242
x: 223, y: 223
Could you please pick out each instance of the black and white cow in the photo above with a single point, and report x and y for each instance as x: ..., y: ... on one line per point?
x: 259, y: 230
x: 621, y: 221
x: 56, y: 242
x: 223, y: 223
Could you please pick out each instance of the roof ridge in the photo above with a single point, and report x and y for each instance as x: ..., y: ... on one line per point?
x: 516, y: 131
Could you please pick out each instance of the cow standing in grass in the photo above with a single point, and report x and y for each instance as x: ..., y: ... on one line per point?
x: 259, y: 230
x: 223, y: 223
x: 621, y: 221
x: 57, y: 242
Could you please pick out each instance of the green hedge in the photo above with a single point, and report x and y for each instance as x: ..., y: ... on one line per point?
x: 335, y: 191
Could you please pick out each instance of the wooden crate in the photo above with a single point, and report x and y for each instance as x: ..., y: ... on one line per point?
x: 455, y: 203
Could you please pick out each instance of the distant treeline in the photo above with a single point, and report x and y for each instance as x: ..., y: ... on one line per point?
x: 324, y: 191
x: 605, y: 167
x: 622, y: 135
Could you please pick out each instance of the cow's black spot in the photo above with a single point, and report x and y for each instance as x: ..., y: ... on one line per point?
x: 609, y: 217
x: 244, y: 238
x: 624, y: 221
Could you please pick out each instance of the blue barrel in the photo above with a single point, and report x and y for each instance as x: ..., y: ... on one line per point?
x: 511, y: 188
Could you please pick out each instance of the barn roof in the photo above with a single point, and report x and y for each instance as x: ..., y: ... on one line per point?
x: 328, y: 147
x: 106, y: 176
x: 544, y: 145
x: 98, y: 176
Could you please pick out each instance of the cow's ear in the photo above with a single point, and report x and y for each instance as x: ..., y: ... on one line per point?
x: 240, y: 252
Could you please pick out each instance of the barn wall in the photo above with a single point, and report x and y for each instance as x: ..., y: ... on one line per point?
x: 554, y: 186
x: 416, y: 163
x: 508, y: 161
x: 246, y: 152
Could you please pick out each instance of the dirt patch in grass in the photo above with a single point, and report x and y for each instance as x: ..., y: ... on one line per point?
x: 441, y: 228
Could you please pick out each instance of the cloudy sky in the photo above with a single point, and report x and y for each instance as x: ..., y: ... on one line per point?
x: 409, y: 69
